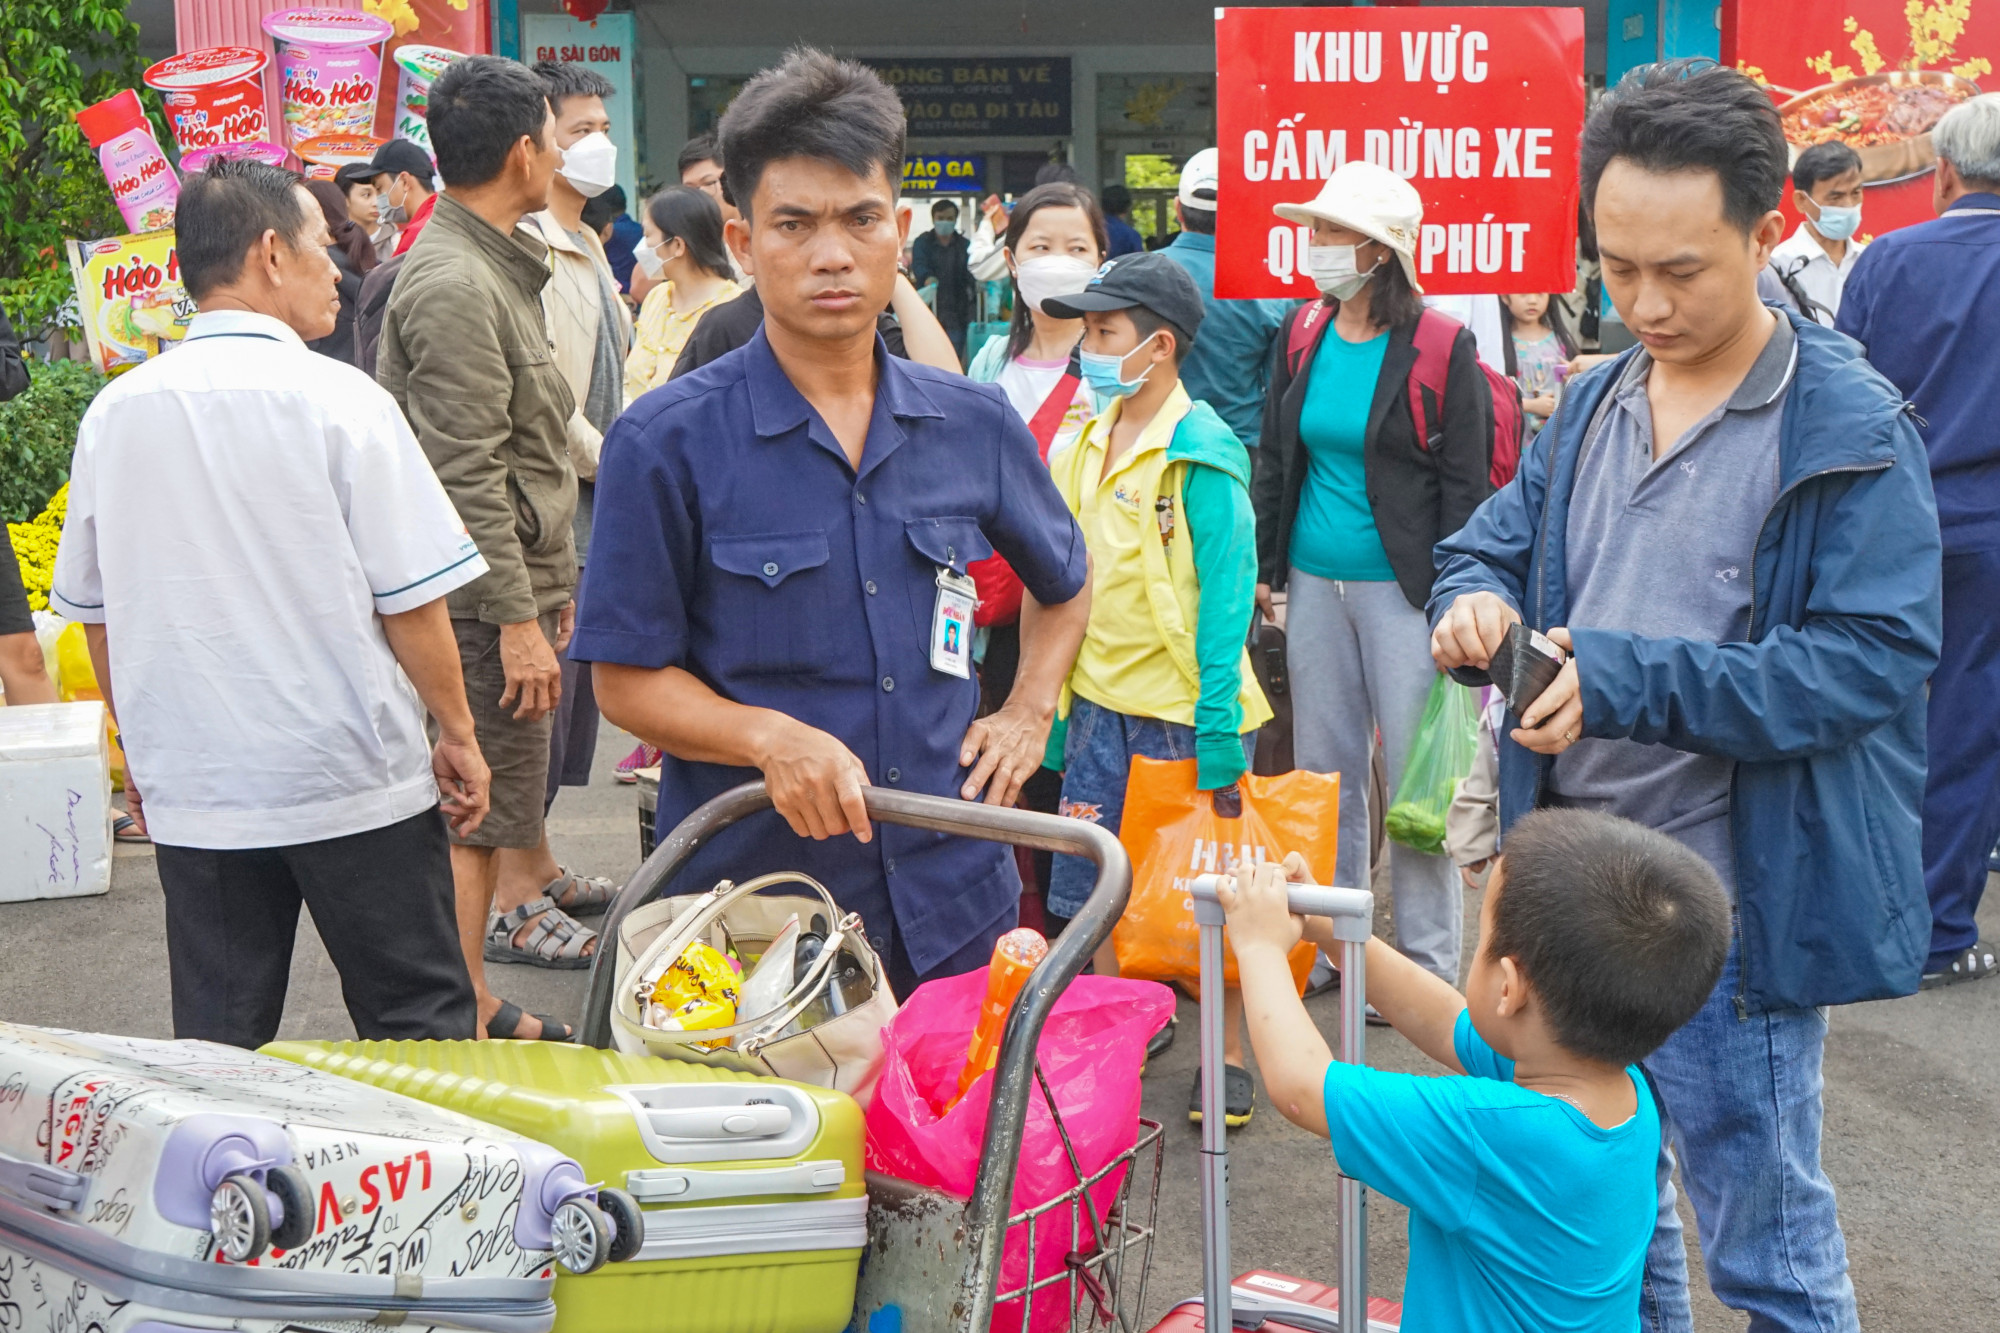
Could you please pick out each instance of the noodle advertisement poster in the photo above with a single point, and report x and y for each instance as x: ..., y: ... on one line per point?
x: 1478, y: 108
x: 1873, y: 74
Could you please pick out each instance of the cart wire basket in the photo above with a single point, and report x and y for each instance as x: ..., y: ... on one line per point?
x: 933, y: 1260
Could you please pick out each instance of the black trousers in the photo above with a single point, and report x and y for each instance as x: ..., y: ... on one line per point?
x: 382, y: 902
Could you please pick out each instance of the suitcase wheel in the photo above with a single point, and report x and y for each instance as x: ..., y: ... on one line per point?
x: 288, y: 1187
x: 580, y: 1235
x: 239, y: 1217
x: 628, y: 1235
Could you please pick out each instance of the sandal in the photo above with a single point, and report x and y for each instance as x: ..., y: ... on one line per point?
x: 507, y: 1022
x: 627, y: 769
x: 1981, y: 960
x: 557, y: 940
x: 126, y: 829
x: 587, y: 895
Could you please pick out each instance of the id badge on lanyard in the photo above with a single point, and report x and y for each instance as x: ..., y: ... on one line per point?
x: 951, y: 626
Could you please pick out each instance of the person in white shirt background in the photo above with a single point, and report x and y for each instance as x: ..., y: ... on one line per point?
x: 1809, y: 268
x: 259, y: 552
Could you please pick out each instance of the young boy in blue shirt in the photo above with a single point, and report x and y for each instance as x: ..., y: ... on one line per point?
x: 1531, y: 1183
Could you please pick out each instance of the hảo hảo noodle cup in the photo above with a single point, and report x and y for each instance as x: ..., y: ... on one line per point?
x: 212, y: 96
x: 418, y: 67
x: 330, y: 69
x: 326, y: 155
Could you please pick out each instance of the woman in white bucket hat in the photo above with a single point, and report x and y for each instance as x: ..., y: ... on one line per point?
x: 1350, y: 502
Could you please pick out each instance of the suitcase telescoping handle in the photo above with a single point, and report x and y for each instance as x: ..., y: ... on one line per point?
x: 1353, y: 913
x: 40, y: 1185
x: 1013, y: 1073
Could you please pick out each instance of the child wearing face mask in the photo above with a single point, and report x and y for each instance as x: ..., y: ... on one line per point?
x: 1160, y: 486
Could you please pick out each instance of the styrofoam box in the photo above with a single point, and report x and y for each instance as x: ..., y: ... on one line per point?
x: 55, y: 801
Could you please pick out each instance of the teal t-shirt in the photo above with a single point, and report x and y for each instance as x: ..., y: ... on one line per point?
x: 1333, y: 534
x: 1524, y: 1214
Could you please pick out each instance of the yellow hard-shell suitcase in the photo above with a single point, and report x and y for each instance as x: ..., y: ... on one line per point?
x: 752, y: 1189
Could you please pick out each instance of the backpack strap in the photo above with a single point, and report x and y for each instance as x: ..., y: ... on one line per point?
x: 1309, y: 324
x: 1433, y: 337
x: 1049, y: 416
x: 1806, y: 306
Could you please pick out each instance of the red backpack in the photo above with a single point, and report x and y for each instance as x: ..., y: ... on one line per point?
x: 1434, y: 336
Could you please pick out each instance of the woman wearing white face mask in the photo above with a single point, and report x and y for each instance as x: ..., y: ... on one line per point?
x: 682, y: 253
x: 1350, y: 499
x: 1054, y: 243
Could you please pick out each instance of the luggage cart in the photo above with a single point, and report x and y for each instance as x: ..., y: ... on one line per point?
x: 933, y: 1260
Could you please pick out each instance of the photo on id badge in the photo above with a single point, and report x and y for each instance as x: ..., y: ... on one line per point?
x: 951, y: 626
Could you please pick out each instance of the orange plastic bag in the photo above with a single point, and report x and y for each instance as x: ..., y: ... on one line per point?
x: 1172, y: 833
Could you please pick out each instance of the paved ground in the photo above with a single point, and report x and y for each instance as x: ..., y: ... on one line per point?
x: 1913, y: 1095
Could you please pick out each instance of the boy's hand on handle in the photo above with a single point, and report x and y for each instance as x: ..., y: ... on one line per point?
x: 1554, y: 720
x: 1253, y: 901
x: 1472, y: 630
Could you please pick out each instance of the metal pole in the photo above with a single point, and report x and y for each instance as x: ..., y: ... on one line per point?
x: 1214, y: 1131
x: 1353, y: 935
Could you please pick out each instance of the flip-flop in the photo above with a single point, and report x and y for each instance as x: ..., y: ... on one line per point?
x: 507, y: 1021
x: 126, y: 829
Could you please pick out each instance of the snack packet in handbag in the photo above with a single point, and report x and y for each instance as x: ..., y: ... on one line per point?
x: 696, y: 991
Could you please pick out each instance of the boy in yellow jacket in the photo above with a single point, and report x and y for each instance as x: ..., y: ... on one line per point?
x: 1160, y: 487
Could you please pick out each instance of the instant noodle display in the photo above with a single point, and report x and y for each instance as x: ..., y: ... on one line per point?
x: 1876, y: 75
x: 143, y: 184
x: 129, y: 295
x: 330, y: 69
x: 257, y: 150
x: 212, y: 96
x: 327, y: 154
x: 417, y: 68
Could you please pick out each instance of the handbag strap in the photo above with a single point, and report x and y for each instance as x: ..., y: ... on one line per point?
x: 803, y: 994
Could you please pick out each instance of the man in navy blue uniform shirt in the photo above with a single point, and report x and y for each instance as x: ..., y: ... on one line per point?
x: 1925, y: 302
x: 781, y: 538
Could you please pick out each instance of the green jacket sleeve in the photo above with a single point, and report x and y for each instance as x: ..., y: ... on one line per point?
x: 1224, y: 533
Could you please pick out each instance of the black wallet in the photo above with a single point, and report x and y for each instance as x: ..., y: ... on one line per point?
x: 1524, y: 665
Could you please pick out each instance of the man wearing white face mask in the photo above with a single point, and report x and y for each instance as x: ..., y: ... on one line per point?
x: 1809, y: 268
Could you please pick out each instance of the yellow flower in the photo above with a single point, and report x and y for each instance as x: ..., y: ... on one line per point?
x: 1864, y: 46
x: 1973, y: 68
x: 1823, y: 64
x: 35, y: 545
x: 398, y: 12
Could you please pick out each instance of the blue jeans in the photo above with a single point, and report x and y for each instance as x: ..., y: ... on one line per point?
x: 1097, y: 762
x: 1743, y: 1115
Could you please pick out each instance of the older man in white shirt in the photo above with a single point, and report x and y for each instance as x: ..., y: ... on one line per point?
x: 1809, y: 268
x: 260, y: 551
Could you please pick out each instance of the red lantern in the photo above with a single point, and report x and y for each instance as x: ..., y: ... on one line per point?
x: 584, y: 10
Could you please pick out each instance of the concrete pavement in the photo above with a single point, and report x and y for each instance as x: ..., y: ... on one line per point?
x: 1912, y: 1091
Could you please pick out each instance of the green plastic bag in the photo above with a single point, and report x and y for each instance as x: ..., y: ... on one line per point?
x: 1440, y: 757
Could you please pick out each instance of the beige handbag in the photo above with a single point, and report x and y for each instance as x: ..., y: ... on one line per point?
x: 843, y: 1052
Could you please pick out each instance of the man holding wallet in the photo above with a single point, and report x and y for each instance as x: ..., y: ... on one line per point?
x: 1727, y: 538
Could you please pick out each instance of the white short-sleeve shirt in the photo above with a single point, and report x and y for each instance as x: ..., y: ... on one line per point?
x: 242, y: 513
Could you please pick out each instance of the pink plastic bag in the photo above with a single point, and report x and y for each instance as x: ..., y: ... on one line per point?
x: 1090, y: 1050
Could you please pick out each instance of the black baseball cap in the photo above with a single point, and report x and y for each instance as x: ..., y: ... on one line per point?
x: 398, y: 156
x: 1147, y: 279
x: 355, y: 173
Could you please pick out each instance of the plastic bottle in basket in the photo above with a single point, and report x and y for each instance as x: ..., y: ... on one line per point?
x: 1014, y: 957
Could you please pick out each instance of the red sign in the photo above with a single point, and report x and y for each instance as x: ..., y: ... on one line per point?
x: 1874, y: 74
x: 1479, y: 109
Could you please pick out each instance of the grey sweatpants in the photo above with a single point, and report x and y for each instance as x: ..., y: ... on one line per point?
x: 1360, y: 658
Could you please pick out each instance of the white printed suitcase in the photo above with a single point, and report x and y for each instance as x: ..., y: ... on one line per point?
x: 179, y: 1187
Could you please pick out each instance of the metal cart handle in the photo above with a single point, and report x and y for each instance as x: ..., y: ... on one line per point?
x: 1013, y: 1073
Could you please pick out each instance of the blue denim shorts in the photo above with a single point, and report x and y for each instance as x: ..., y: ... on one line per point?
x: 1097, y: 760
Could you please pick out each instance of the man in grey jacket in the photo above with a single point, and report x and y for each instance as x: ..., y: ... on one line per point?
x: 465, y: 350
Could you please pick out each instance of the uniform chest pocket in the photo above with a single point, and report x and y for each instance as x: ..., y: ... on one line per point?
x: 953, y: 542
x: 777, y: 600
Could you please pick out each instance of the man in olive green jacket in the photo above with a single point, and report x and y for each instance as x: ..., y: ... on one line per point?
x: 467, y: 355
